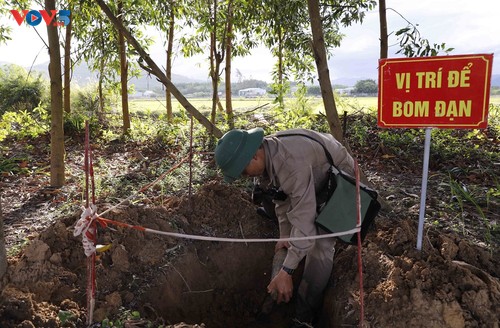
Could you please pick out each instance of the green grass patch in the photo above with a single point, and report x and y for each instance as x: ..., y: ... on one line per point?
x: 158, y: 105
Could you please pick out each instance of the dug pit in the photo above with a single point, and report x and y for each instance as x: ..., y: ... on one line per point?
x: 451, y: 283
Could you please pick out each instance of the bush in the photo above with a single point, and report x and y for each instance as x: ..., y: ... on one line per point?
x: 20, y: 90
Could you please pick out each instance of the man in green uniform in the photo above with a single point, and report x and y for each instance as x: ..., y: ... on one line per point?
x: 294, y: 163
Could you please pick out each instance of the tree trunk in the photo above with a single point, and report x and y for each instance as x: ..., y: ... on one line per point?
x: 100, y: 94
x: 56, y: 104
x: 100, y: 110
x: 323, y: 71
x: 67, y: 68
x: 3, y: 251
x: 324, y: 78
x: 168, y: 94
x: 384, y: 45
x: 214, y: 77
x: 229, y: 38
x: 281, y: 71
x: 214, y: 67
x: 156, y: 71
x: 123, y: 75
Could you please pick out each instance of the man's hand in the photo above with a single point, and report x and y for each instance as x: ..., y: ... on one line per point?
x: 281, y: 244
x: 282, y: 286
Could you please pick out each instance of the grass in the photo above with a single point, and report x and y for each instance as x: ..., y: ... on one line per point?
x: 348, y: 104
x: 201, y: 104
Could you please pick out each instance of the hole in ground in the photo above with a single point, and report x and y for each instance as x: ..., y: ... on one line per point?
x: 219, y: 284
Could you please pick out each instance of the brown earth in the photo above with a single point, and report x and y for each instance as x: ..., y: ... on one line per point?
x: 453, y: 282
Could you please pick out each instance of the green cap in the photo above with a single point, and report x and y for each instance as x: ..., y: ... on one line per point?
x: 235, y: 150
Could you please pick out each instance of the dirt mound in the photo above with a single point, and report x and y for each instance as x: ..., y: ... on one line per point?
x: 449, y: 284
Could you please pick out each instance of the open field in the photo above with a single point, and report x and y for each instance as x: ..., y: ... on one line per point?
x: 246, y: 104
x: 243, y: 104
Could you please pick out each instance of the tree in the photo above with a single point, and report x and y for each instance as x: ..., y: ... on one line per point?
x: 229, y: 49
x: 67, y: 67
x: 20, y: 89
x: 56, y: 104
x: 322, y: 67
x: 345, y: 12
x: 169, y: 52
x: 98, y: 42
x: 281, y: 26
x: 284, y: 27
x: 4, y: 30
x: 323, y: 71
x: 384, y: 44
x: 224, y: 27
x: 368, y: 86
x: 3, y: 251
x: 156, y: 71
x: 122, y: 48
x: 217, y: 50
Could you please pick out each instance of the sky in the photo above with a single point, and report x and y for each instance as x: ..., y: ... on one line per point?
x: 471, y: 27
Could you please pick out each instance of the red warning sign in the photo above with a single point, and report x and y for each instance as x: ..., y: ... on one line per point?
x: 441, y: 92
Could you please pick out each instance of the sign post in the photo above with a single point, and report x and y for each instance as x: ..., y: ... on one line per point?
x: 425, y: 175
x: 434, y: 92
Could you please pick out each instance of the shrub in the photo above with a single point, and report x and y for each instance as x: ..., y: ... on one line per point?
x: 20, y: 90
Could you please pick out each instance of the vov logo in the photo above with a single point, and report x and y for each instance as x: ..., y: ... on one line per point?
x: 35, y: 17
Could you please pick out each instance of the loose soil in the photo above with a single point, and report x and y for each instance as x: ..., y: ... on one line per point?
x: 453, y: 282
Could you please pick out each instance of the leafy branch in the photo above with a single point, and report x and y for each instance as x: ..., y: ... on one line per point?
x: 413, y: 45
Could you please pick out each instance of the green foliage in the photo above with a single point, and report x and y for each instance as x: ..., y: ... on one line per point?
x: 13, y: 165
x: 20, y: 90
x: 298, y: 113
x: 66, y: 316
x: 413, y: 45
x: 462, y: 195
x: 5, y: 30
x: 125, y: 319
x: 361, y: 131
x: 86, y: 100
x: 449, y: 144
x: 279, y: 90
x: 24, y: 124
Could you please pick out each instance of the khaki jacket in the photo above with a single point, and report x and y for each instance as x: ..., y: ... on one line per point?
x: 298, y: 166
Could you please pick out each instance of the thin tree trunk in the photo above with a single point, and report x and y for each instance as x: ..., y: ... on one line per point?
x: 56, y: 104
x: 214, y: 67
x: 384, y: 45
x: 100, y: 110
x: 123, y: 75
x: 156, y: 71
x: 67, y: 68
x: 320, y: 57
x: 168, y: 94
x: 3, y: 251
x: 281, y: 71
x: 229, y: 103
x: 324, y: 79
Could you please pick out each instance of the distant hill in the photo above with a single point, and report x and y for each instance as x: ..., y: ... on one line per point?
x: 83, y: 76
